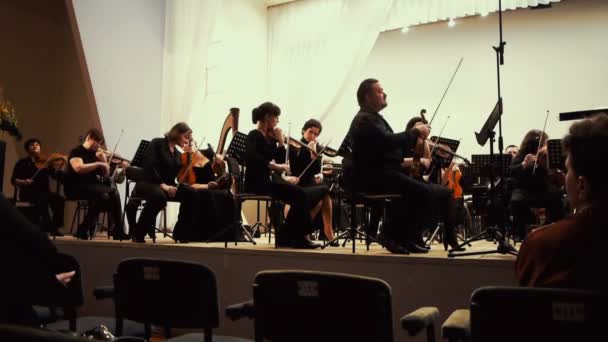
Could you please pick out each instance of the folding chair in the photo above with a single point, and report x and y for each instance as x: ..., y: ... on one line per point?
x: 529, y: 314
x: 154, y: 292
x: 72, y: 298
x: 287, y: 305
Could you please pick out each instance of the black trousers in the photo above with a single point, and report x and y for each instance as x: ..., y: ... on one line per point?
x: 423, y: 205
x: 301, y: 200
x: 45, y: 201
x: 522, y: 200
x: 99, y: 197
x: 156, y: 200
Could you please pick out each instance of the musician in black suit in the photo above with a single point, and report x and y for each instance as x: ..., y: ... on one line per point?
x: 161, y: 164
x: 377, y: 167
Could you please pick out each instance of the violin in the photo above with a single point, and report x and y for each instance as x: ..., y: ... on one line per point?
x: 188, y: 158
x: 554, y: 176
x: 55, y: 161
x: 218, y: 166
x: 453, y: 179
x: 420, y: 150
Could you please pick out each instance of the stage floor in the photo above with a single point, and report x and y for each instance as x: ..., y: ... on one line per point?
x: 264, y: 246
x: 416, y: 280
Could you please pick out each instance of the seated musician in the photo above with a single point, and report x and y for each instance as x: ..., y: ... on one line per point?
x: 569, y: 253
x: 299, y: 159
x: 532, y: 187
x: 161, y: 165
x: 212, y: 210
x: 87, y: 167
x: 377, y: 162
x: 512, y: 150
x: 32, y: 179
x: 265, y: 160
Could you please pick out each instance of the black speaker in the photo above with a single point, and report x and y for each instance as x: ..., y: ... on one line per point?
x: 2, y: 157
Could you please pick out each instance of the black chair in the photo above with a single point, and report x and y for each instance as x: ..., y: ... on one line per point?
x: 17, y: 333
x: 366, y: 202
x: 420, y: 320
x: 529, y: 314
x: 289, y: 305
x: 134, y: 174
x: 70, y: 300
x: 237, y: 175
x: 168, y: 293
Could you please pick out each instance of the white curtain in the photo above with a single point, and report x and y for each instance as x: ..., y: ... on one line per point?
x: 189, y: 27
x: 315, y: 46
x: 414, y: 12
x: 188, y: 30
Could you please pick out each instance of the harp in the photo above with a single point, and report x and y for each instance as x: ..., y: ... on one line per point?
x: 231, y: 123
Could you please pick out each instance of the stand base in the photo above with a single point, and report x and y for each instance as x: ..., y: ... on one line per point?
x: 504, y: 247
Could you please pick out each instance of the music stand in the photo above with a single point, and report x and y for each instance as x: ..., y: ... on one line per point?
x: 236, y: 150
x: 555, y: 154
x: 238, y: 146
x: 139, y: 153
x: 497, y: 232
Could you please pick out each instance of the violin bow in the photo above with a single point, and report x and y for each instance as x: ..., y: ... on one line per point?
x: 435, y: 146
x: 540, y: 140
x: 446, y: 91
x: 122, y: 131
x: 314, y: 159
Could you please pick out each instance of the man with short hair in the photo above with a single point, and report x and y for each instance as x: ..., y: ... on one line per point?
x: 32, y: 182
x: 377, y: 163
x: 87, y: 164
x: 570, y: 253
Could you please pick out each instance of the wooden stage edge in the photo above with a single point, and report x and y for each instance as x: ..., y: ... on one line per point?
x: 416, y: 280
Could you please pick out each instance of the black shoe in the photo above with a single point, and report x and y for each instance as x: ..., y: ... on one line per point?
x: 393, y: 246
x: 57, y: 233
x: 452, y: 242
x: 120, y: 235
x: 139, y: 240
x: 82, y: 235
x: 415, y: 248
x: 334, y: 243
x: 304, y: 244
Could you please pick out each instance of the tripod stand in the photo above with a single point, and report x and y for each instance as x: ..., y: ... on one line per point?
x: 496, y: 232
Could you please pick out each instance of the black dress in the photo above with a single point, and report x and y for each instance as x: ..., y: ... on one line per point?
x: 299, y: 159
x: 260, y: 180
x: 208, y: 216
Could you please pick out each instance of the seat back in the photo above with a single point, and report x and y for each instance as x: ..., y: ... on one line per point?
x: 536, y: 314
x: 16, y: 333
x: 175, y: 294
x: 234, y: 170
x: 135, y: 174
x: 313, y: 306
x: 69, y: 297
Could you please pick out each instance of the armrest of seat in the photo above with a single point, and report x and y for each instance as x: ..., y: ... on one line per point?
x: 240, y: 310
x: 421, y: 319
x: 103, y: 292
x: 458, y: 326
